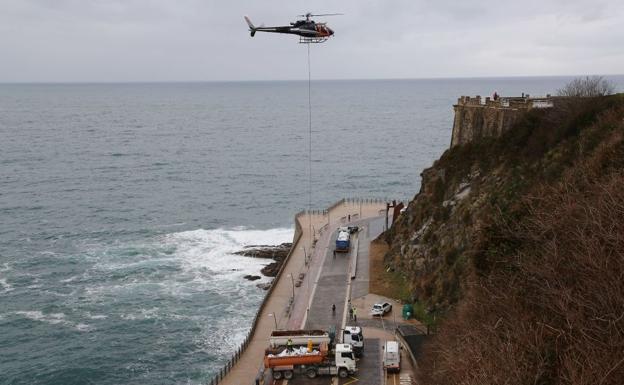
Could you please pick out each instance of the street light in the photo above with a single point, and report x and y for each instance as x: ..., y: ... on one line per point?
x: 292, y: 280
x: 274, y: 319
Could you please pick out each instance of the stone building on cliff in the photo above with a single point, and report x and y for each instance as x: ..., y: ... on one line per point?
x: 476, y: 118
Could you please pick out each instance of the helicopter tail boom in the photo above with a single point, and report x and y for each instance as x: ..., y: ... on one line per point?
x: 252, y: 28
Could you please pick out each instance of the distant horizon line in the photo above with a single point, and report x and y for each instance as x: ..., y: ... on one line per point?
x: 300, y: 80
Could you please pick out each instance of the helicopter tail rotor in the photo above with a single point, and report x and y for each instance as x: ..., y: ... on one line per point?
x: 252, y: 28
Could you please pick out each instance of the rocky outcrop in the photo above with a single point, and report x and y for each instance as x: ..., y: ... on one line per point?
x: 277, y: 253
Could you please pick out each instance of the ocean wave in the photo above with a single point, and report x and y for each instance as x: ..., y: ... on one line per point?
x: 214, y: 251
x: 142, y: 314
x: 37, y: 315
x: 52, y: 319
x: 70, y: 279
x: 5, y: 285
x: 95, y: 316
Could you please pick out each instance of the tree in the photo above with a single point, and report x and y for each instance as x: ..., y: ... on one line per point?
x: 587, y: 87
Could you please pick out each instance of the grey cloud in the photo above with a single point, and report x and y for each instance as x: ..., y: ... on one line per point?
x: 143, y: 40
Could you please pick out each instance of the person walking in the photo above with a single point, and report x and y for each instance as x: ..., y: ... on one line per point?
x: 354, y: 314
x: 334, y: 253
x: 350, y: 313
x: 334, y: 309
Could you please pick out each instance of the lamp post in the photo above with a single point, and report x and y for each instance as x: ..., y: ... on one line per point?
x: 292, y: 280
x: 274, y: 319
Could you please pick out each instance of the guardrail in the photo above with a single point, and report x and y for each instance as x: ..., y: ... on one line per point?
x: 404, y: 343
x: 353, y: 265
x: 399, y: 332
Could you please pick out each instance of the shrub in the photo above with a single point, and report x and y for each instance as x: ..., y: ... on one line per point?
x: 587, y: 87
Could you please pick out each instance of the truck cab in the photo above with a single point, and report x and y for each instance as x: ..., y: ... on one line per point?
x: 353, y: 336
x: 345, y: 358
x: 392, y: 356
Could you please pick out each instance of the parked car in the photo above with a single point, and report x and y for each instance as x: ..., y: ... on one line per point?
x: 381, y: 308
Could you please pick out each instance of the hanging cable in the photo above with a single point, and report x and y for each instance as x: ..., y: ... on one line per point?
x: 310, y: 149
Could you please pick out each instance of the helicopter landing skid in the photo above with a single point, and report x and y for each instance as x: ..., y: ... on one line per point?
x: 312, y: 40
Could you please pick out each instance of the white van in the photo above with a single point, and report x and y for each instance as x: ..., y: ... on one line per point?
x: 392, y: 356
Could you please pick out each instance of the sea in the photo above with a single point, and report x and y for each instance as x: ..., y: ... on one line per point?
x: 122, y: 207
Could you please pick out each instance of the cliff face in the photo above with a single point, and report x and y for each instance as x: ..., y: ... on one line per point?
x: 488, y: 245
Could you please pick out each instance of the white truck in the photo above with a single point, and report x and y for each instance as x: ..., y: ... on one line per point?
x: 392, y: 356
x: 312, y: 364
x: 353, y: 336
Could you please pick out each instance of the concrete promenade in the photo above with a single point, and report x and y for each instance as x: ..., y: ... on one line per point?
x: 299, y: 276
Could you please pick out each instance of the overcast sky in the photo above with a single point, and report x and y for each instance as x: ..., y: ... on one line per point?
x: 171, y: 40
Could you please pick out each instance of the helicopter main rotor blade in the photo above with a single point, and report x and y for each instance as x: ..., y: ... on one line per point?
x: 321, y: 14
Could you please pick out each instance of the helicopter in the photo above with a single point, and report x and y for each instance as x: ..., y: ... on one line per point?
x: 307, y: 29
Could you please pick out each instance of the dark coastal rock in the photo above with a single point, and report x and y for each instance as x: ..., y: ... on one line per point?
x: 264, y: 286
x: 271, y: 269
x: 277, y: 253
x: 252, y: 277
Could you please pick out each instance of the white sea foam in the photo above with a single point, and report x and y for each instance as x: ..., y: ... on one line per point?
x: 53, y: 319
x: 142, y: 314
x: 5, y: 285
x: 82, y: 327
x: 70, y: 279
x: 213, y: 251
x: 96, y: 316
x: 183, y: 264
x: 36, y: 315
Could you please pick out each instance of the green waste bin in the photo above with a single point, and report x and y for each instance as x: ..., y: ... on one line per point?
x: 408, y: 311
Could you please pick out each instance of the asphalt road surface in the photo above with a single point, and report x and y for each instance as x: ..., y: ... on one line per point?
x: 332, y: 289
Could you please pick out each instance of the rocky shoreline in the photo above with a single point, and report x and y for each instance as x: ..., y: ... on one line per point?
x: 276, y: 253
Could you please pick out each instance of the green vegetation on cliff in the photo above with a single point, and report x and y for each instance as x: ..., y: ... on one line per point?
x: 517, y: 244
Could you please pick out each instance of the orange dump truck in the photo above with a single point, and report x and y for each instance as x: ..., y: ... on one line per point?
x: 341, y: 364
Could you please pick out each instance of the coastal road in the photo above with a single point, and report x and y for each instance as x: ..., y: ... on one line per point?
x: 334, y: 286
